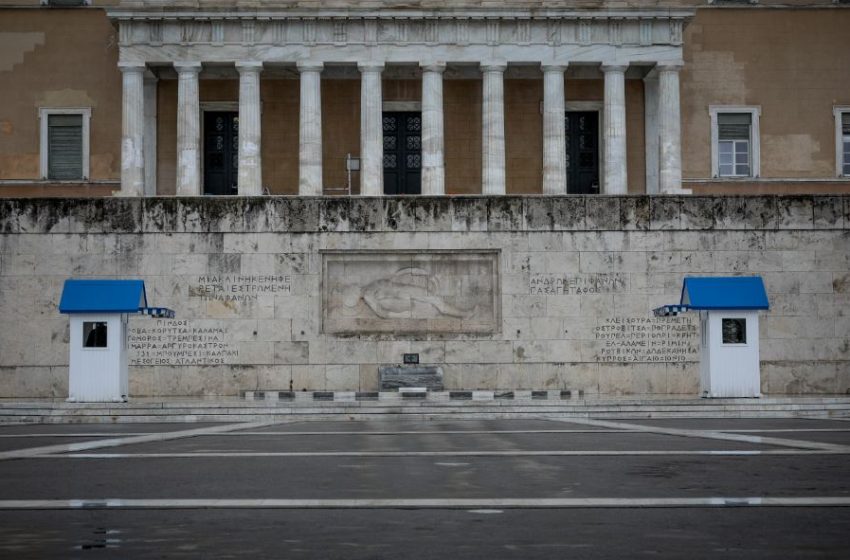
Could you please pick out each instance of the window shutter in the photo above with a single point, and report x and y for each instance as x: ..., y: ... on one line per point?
x: 65, y: 147
x: 734, y: 126
x: 845, y: 123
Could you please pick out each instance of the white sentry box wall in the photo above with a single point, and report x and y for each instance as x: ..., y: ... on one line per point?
x: 729, y: 370
x: 98, y: 374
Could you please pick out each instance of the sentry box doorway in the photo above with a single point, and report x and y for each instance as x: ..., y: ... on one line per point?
x: 99, y: 311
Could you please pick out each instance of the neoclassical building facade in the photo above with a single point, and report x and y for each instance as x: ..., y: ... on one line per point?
x: 312, y: 98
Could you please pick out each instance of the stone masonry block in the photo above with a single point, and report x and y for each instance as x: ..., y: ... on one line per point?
x: 538, y: 213
x: 829, y: 212
x: 300, y: 214
x: 366, y: 215
x: 635, y: 212
x: 569, y: 213
x: 760, y: 213
x: 795, y: 212
x: 731, y: 212
x: 290, y: 353
x: 468, y: 214
x: 505, y: 214
x: 603, y: 213
x: 665, y: 212
x: 700, y: 212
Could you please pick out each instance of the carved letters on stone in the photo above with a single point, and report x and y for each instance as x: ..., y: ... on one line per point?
x: 403, y: 292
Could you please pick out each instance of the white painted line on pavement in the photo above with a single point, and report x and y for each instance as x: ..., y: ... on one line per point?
x: 511, y: 453
x: 45, y: 451
x: 429, y: 503
x: 77, y: 435
x: 431, y: 432
x: 706, y: 434
x: 416, y: 432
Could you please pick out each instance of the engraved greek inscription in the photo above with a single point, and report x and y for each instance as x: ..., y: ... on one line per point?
x: 647, y: 339
x: 577, y: 284
x: 230, y: 288
x: 180, y: 343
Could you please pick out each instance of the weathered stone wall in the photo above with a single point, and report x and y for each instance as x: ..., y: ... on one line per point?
x: 566, y: 304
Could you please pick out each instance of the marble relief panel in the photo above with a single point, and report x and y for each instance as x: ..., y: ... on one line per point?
x: 400, y: 292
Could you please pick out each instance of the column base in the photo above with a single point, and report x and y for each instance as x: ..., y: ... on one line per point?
x: 676, y: 192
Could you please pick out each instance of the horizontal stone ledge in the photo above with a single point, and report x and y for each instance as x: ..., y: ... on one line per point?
x: 529, y: 213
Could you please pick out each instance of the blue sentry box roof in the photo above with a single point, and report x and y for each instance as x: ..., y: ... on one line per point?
x: 103, y: 296
x: 739, y: 292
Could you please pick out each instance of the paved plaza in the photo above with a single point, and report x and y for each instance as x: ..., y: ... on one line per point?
x: 408, y: 488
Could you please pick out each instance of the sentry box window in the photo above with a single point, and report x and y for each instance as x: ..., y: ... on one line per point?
x: 94, y: 334
x: 734, y: 331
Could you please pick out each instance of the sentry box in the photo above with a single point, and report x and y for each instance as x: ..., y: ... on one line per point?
x: 99, y: 311
x: 729, y: 332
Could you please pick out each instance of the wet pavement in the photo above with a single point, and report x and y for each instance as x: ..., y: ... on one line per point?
x: 462, y: 489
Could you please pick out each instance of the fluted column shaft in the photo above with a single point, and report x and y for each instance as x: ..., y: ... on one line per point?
x: 433, y: 142
x: 371, y: 130
x: 616, y: 177
x: 132, y: 130
x: 310, y: 130
x: 250, y: 176
x: 554, y: 131
x: 669, y: 124
x: 188, y: 129
x: 493, y: 130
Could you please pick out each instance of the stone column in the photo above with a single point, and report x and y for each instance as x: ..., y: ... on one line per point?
x: 188, y: 129
x: 616, y: 177
x: 132, y: 130
x: 310, y: 130
x: 371, y: 129
x: 250, y: 177
x: 650, y: 120
x: 669, y: 124
x: 433, y: 143
x: 493, y: 130
x: 150, y: 134
x: 554, y: 131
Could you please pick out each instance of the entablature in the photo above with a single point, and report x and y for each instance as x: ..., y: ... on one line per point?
x: 492, y: 27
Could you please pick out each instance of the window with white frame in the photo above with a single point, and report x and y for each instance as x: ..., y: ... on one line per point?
x: 842, y: 141
x: 735, y: 142
x: 64, y: 150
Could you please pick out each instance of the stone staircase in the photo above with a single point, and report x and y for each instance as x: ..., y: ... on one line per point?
x: 458, y: 405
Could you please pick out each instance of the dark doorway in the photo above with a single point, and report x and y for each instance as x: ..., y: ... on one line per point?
x: 221, y: 152
x: 582, y: 152
x: 402, y: 153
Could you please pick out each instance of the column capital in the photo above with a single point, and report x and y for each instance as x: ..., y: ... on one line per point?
x: 249, y: 66
x: 370, y: 66
x: 614, y: 68
x: 554, y: 67
x: 494, y: 67
x: 310, y: 66
x: 669, y: 65
x: 185, y: 67
x: 132, y: 67
x: 438, y: 67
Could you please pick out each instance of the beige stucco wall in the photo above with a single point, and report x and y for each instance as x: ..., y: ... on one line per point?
x: 57, y: 58
x: 792, y: 63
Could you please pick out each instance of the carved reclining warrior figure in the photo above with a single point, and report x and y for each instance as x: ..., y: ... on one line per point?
x: 396, y: 296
